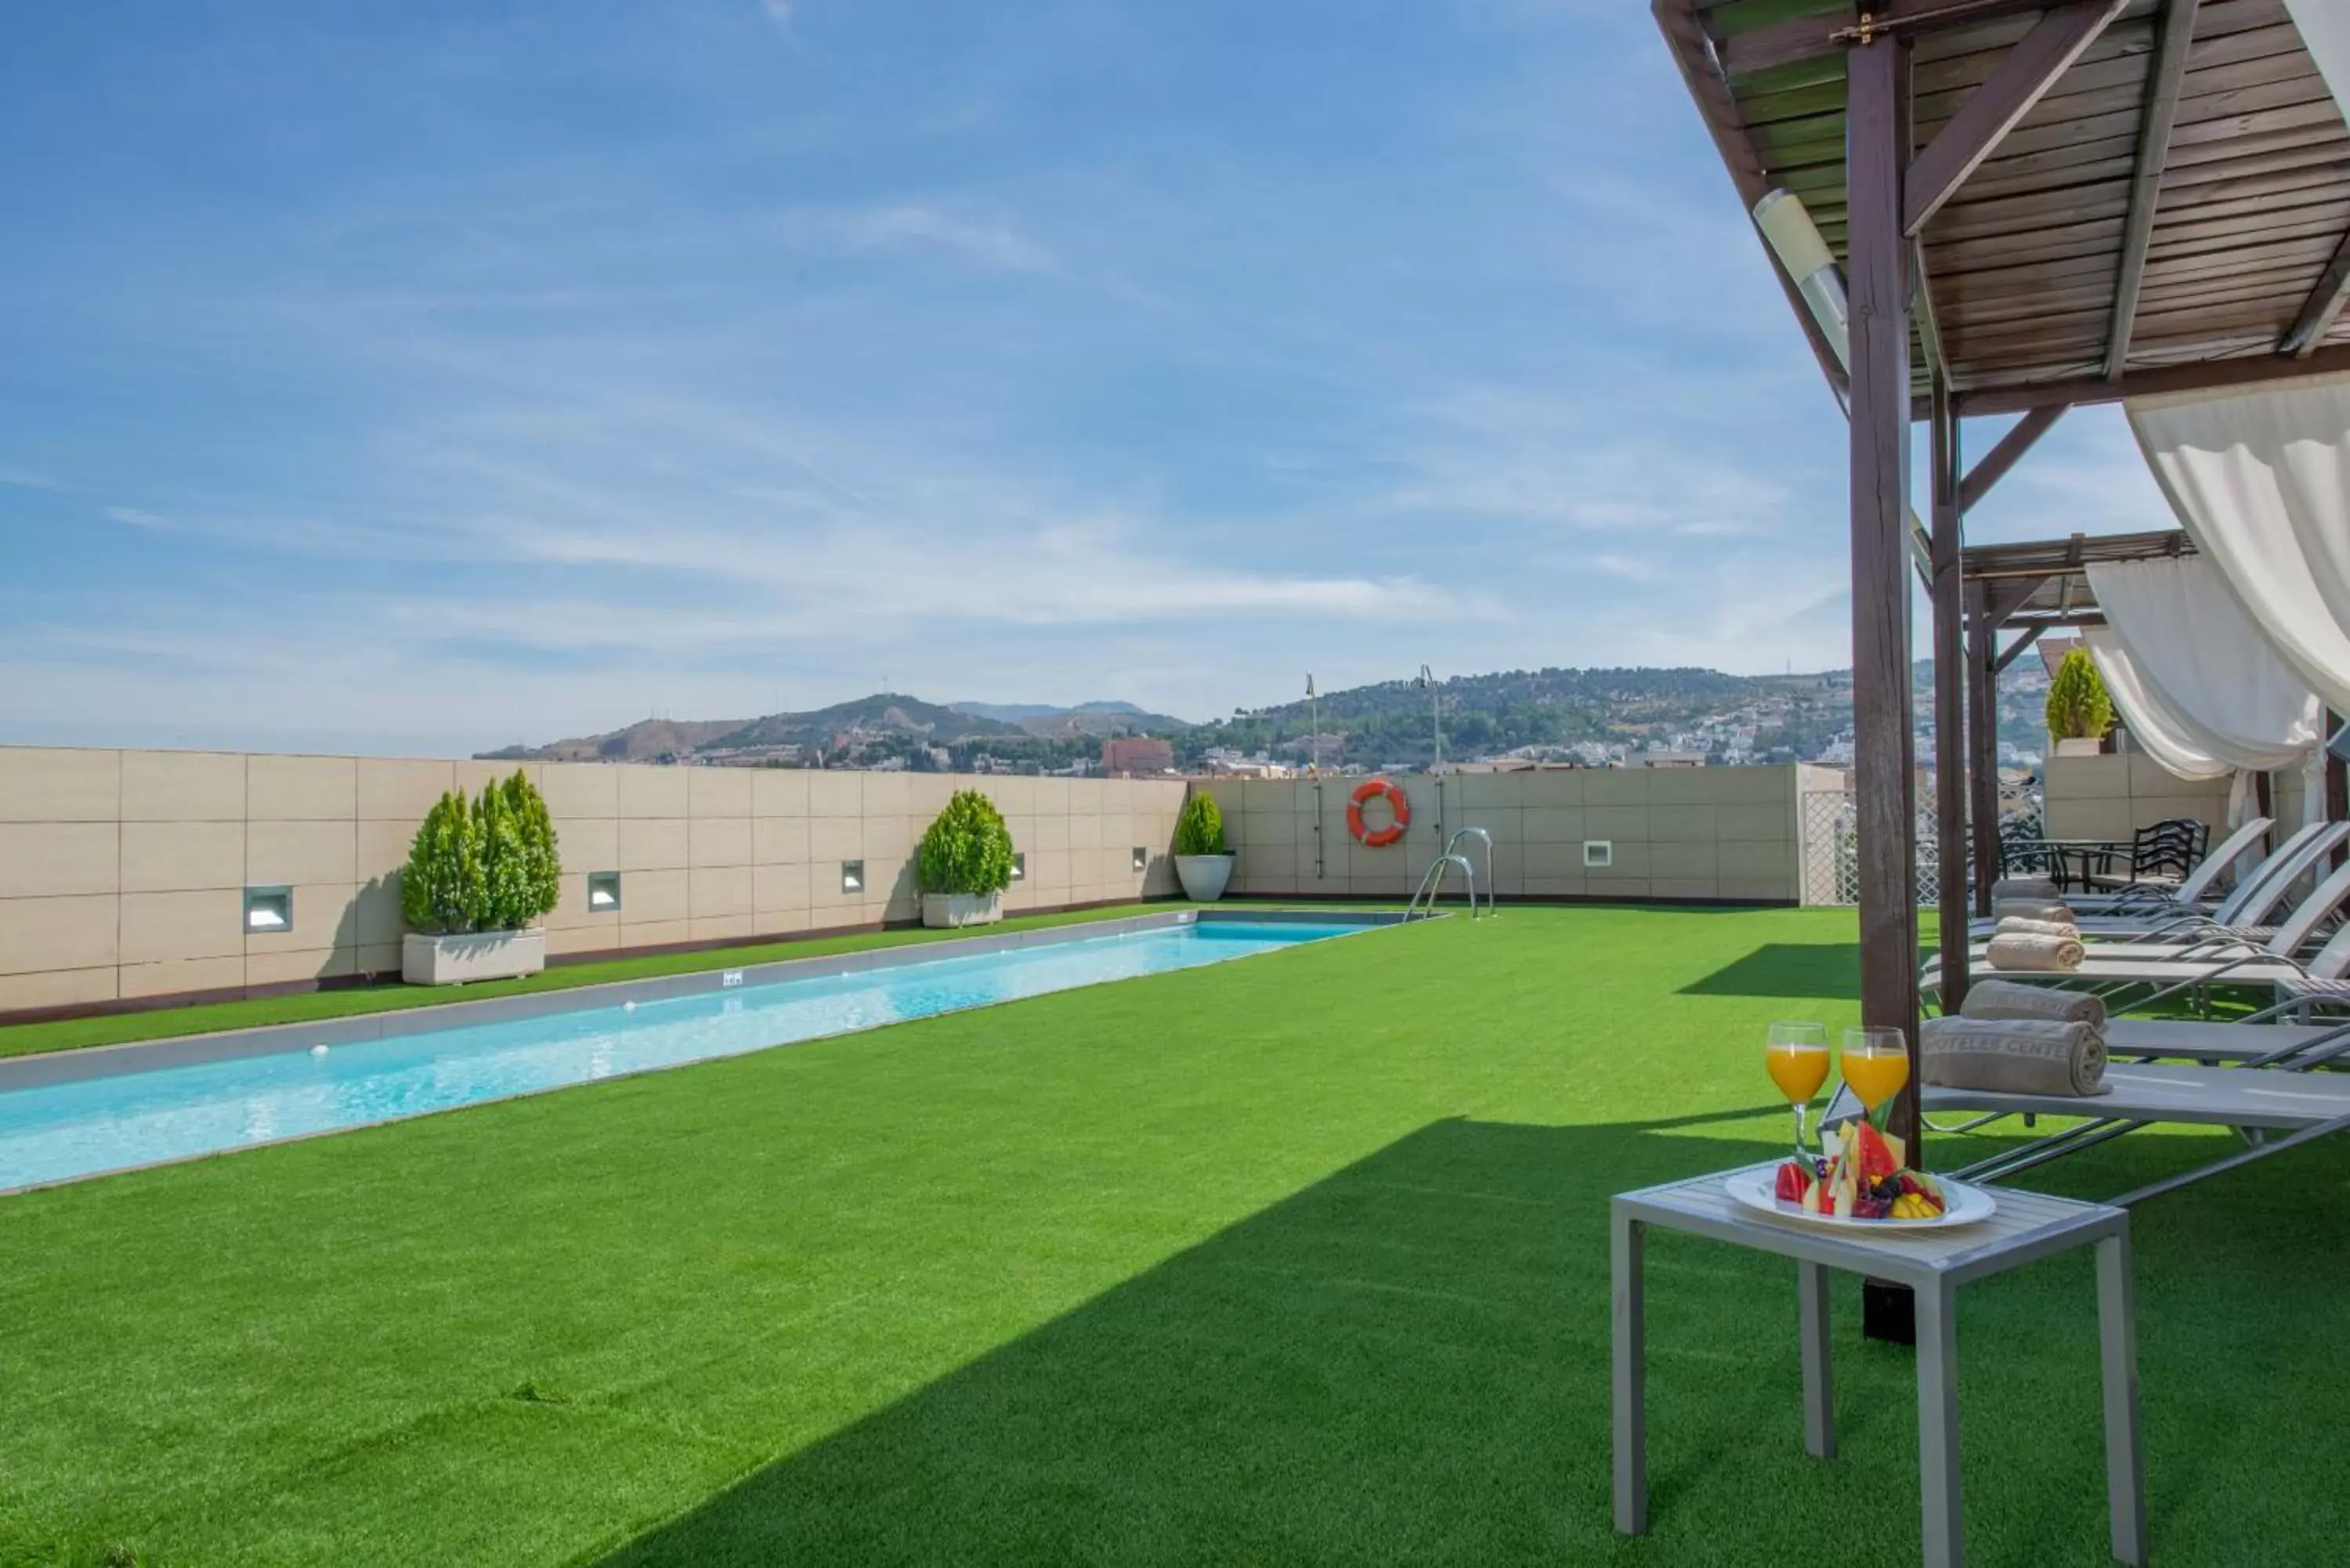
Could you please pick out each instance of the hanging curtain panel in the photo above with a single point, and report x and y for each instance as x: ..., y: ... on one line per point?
x: 2261, y: 483
x: 2151, y: 723
x: 2325, y: 28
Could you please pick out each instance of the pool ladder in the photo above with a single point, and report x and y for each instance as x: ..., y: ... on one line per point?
x: 1432, y: 883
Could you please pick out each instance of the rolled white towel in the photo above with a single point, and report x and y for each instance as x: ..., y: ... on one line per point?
x: 2045, y: 955
x: 2017, y: 925
x: 2049, y: 910
x: 1990, y: 998
x: 2013, y: 1056
x: 2040, y: 889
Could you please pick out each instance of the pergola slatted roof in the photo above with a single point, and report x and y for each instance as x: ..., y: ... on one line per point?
x: 2176, y: 197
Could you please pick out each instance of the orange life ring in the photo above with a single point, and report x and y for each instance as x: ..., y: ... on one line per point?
x: 1395, y: 803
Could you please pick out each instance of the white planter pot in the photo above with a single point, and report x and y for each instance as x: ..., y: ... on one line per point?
x: 1203, y: 876
x: 953, y: 910
x: 2080, y: 746
x: 477, y: 955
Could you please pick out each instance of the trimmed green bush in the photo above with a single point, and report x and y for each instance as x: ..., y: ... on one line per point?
x: 2079, y: 707
x: 967, y: 849
x: 485, y: 865
x: 1200, y: 828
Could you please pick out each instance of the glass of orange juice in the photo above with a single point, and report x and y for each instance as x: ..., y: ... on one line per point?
x: 1875, y: 1066
x: 1797, y: 1058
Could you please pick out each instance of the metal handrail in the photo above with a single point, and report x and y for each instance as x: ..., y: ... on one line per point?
x: 1432, y: 883
x: 1452, y: 847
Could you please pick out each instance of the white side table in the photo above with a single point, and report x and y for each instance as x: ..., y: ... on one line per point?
x: 1934, y: 1263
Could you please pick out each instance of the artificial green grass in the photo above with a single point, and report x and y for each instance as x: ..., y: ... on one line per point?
x: 311, y: 1007
x: 1299, y: 1259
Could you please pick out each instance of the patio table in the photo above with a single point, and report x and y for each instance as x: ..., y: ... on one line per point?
x: 1934, y: 1263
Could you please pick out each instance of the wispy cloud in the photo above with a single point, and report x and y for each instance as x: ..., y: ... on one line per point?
x: 987, y: 239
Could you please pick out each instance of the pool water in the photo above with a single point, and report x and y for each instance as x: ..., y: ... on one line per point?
x: 60, y: 1131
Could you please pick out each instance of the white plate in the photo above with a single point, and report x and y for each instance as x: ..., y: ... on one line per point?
x: 1755, y: 1190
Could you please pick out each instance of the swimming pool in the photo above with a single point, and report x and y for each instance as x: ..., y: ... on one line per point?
x: 56, y: 1132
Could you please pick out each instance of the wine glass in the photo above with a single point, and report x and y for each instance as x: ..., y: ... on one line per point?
x: 1875, y: 1066
x: 1797, y: 1058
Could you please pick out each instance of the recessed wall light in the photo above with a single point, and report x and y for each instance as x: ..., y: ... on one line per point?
x: 1019, y: 866
x: 1599, y: 852
x: 852, y: 875
x: 1141, y: 859
x: 268, y: 909
x: 603, y: 892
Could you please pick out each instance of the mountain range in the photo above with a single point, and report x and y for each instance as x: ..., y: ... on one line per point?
x: 851, y: 727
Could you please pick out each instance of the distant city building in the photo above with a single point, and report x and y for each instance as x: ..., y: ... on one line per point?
x: 1672, y: 759
x: 1135, y: 756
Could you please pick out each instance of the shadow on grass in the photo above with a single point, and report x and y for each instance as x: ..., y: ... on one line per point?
x: 1808, y: 970
x: 1405, y: 1361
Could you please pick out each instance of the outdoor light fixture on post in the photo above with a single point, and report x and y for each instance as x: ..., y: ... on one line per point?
x: 1794, y: 238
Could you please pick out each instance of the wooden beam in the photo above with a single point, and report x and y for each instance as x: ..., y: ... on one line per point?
x: 2210, y: 376
x: 1949, y: 597
x: 1877, y: 150
x: 2005, y: 453
x: 2025, y: 73
x: 1983, y: 736
x: 2015, y: 651
x: 1825, y: 34
x: 2326, y: 302
x: 2003, y: 598
x: 1693, y: 54
x: 2174, y: 31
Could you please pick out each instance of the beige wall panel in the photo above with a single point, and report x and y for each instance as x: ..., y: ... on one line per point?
x: 381, y: 849
x: 1754, y: 786
x: 576, y: 790
x: 1048, y: 872
x: 782, y: 922
x: 58, y: 988
x: 722, y: 928
x: 590, y: 844
x: 41, y: 784
x: 1622, y: 823
x: 377, y: 919
x: 1684, y: 787
x: 174, y: 976
x: 301, y: 789
x: 779, y: 792
x: 891, y: 837
x: 571, y: 911
x: 1631, y: 863
x: 601, y: 934
x: 1753, y: 823
x: 399, y: 789
x: 719, y: 840
x: 1685, y: 888
x: 180, y: 856
x: 381, y: 959
x: 182, y: 786
x: 1773, y: 890
x: 1617, y: 786
x: 654, y: 792
x: 654, y: 844
x: 886, y: 794
x: 191, y: 925
x: 927, y: 794
x: 39, y: 934
x: 1683, y: 823
x: 1554, y: 825
x: 474, y: 774
x: 836, y: 838
x: 1551, y: 862
x: 288, y: 966
x: 2105, y: 777
x: 1052, y: 833
x: 1759, y: 861
x: 1052, y: 796
x: 1012, y: 795
x: 1267, y: 830
x: 650, y: 897
x: 326, y: 915
x: 43, y: 859
x: 1557, y: 887
x: 285, y: 853
x: 1023, y: 830
x: 1084, y: 831
x: 1683, y: 862
x: 1550, y: 787
x: 718, y: 890
x: 718, y: 791
x: 780, y: 840
x: 779, y: 886
x: 654, y: 933
x: 835, y: 795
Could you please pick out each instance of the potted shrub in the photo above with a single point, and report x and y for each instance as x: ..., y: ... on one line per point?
x: 1203, y: 861
x: 480, y: 876
x: 2080, y: 709
x: 965, y: 863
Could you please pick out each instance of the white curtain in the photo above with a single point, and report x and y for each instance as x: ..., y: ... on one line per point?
x: 2196, y: 677
x: 2261, y: 482
x: 2325, y: 28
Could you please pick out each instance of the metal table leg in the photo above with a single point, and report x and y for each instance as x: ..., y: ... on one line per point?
x: 2117, y: 1356
x: 1811, y: 1331
x: 1630, y: 1337
x: 1937, y: 1426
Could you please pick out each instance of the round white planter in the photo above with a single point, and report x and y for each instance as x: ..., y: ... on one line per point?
x: 1203, y: 876
x: 950, y: 910
x: 477, y: 955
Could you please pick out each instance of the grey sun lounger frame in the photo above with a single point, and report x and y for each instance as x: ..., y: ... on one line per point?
x: 2195, y: 888
x: 2299, y: 929
x: 2256, y: 896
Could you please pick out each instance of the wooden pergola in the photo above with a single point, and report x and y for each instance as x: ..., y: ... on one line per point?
x: 2034, y: 205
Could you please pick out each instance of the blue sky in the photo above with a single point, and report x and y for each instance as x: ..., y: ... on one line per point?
x: 427, y: 377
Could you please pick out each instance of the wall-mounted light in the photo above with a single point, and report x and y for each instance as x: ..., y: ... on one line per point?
x: 268, y: 909
x: 1141, y: 859
x: 852, y: 875
x: 1787, y: 228
x: 1019, y: 866
x: 1599, y: 852
x: 603, y: 892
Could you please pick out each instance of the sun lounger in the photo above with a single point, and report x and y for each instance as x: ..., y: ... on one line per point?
x: 2298, y: 929
x: 2245, y: 911
x: 2195, y: 890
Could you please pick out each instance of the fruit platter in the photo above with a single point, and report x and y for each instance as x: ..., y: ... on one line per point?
x: 1862, y: 1181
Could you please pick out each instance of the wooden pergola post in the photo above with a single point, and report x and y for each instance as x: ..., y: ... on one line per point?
x: 1950, y: 682
x: 1983, y: 710
x: 1877, y: 150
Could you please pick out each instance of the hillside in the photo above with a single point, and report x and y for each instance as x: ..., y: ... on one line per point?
x: 647, y: 741
x: 883, y: 713
x: 1085, y: 718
